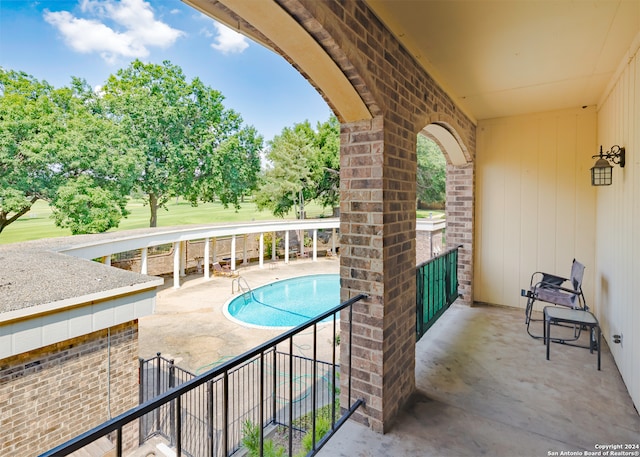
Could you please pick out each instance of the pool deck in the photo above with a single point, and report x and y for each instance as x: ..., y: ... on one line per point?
x: 189, y: 326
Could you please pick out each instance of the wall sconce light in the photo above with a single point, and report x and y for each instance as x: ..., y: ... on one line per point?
x: 602, y: 171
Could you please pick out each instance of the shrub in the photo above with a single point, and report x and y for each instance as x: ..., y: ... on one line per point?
x: 323, y: 425
x: 251, y: 441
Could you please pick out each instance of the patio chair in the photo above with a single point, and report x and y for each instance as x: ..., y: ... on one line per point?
x: 220, y: 270
x: 556, y: 290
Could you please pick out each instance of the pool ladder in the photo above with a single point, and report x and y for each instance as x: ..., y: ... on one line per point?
x: 243, y: 287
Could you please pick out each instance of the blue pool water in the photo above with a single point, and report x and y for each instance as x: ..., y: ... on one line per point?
x: 287, y: 303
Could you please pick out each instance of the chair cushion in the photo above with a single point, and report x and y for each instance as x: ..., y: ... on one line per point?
x: 556, y: 297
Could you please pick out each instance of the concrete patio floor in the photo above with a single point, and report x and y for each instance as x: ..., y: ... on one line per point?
x: 484, y: 387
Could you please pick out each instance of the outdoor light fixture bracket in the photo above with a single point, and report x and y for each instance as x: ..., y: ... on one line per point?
x: 601, y: 172
x: 615, y: 154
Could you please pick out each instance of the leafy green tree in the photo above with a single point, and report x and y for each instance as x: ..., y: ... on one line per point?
x: 289, y: 180
x: 431, y: 177
x: 303, y: 165
x: 232, y: 169
x: 94, y: 163
x: 84, y: 207
x: 50, y: 137
x: 29, y: 123
x: 328, y: 144
x: 183, y: 134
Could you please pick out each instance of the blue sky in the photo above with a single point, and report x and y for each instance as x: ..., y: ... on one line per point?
x: 53, y: 40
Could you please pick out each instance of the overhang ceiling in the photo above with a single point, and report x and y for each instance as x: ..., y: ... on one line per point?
x: 495, y: 58
x: 502, y: 58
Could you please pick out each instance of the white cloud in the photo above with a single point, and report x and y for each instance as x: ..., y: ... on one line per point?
x: 206, y: 32
x: 115, y: 29
x: 229, y: 41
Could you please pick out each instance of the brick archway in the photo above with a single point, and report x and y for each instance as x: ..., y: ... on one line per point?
x: 459, y: 206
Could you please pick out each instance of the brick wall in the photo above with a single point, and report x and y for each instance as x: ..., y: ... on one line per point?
x: 53, y: 394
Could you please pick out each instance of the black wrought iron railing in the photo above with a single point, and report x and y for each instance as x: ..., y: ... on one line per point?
x: 159, y: 374
x: 270, y: 388
x: 436, y: 289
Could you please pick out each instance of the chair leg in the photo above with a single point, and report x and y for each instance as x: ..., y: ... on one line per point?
x: 599, y: 333
x: 528, y: 311
x: 547, y: 335
x: 529, y: 308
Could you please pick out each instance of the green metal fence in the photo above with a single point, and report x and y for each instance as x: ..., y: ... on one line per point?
x: 436, y: 289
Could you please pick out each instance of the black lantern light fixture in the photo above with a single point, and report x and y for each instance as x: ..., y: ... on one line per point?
x: 602, y: 171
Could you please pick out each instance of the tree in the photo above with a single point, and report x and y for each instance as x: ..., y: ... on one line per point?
x: 431, y: 177
x: 84, y: 207
x: 183, y: 134
x: 50, y: 138
x: 98, y: 171
x: 29, y: 124
x: 328, y: 143
x: 289, y: 180
x: 232, y: 170
x: 304, y: 165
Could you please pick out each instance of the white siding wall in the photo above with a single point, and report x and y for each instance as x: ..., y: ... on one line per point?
x: 617, y: 273
x: 535, y: 207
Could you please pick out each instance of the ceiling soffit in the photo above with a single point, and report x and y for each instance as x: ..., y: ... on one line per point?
x: 501, y: 58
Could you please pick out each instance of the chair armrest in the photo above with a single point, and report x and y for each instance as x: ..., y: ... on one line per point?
x: 544, y: 285
x: 547, y: 278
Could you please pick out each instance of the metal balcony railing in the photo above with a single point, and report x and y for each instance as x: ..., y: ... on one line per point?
x: 436, y: 289
x: 269, y: 387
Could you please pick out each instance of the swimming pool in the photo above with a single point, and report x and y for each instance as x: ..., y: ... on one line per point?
x: 286, y: 303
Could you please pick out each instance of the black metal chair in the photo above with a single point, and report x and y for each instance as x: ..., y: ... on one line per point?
x: 556, y: 290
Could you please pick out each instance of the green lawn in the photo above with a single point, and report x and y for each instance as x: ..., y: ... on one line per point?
x: 38, y: 224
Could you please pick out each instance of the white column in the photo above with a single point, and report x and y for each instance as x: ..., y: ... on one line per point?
x: 261, y: 250
x: 286, y: 246
x: 333, y: 241
x: 233, y: 252
x: 430, y: 244
x: 274, y: 246
x: 315, y: 245
x: 144, y: 261
x: 207, y: 254
x: 176, y: 264
x: 301, y: 239
x: 244, y: 250
x: 183, y: 257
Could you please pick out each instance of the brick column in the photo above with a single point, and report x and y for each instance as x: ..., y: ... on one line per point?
x: 459, y: 215
x: 377, y: 213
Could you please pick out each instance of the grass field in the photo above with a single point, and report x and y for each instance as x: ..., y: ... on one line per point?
x: 38, y: 224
